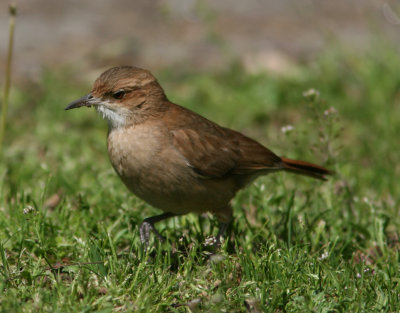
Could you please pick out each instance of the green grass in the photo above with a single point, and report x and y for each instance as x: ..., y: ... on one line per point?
x: 296, y: 244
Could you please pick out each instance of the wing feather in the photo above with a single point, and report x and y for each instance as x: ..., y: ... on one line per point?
x: 213, y: 151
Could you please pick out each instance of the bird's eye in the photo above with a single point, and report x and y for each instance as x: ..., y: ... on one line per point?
x: 119, y: 94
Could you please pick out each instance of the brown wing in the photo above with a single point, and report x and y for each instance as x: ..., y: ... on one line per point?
x: 214, y: 151
x: 254, y: 156
x: 208, y: 155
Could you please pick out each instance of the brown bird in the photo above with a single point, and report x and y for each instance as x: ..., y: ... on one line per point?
x: 173, y: 158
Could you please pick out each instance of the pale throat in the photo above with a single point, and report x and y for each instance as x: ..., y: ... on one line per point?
x: 115, y: 118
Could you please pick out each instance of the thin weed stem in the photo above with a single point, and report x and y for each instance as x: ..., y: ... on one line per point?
x: 7, y: 84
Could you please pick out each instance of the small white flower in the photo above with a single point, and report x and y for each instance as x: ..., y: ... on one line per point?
x: 29, y: 209
x: 210, y: 241
x: 323, y: 256
x: 287, y: 129
x: 311, y: 93
x: 330, y: 111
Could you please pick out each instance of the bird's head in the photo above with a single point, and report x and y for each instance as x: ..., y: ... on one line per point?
x: 124, y: 96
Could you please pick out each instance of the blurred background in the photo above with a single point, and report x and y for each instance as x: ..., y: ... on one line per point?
x: 196, y: 34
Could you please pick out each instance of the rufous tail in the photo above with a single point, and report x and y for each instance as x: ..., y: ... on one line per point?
x: 305, y: 168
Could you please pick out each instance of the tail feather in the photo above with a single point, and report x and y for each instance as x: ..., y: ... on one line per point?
x: 305, y: 168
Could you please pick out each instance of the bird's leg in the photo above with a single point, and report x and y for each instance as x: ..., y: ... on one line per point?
x: 148, y: 225
x: 221, y: 231
x: 225, y: 217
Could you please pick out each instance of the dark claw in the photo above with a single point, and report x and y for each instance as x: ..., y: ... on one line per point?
x: 148, y: 225
x: 144, y: 231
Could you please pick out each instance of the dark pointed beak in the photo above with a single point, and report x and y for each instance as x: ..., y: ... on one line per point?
x: 81, y: 102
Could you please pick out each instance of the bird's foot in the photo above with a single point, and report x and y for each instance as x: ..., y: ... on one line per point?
x: 144, y: 231
x: 148, y: 225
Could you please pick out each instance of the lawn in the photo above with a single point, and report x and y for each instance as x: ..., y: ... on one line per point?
x: 69, y: 239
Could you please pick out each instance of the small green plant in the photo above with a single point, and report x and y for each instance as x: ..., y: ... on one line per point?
x: 325, y: 122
